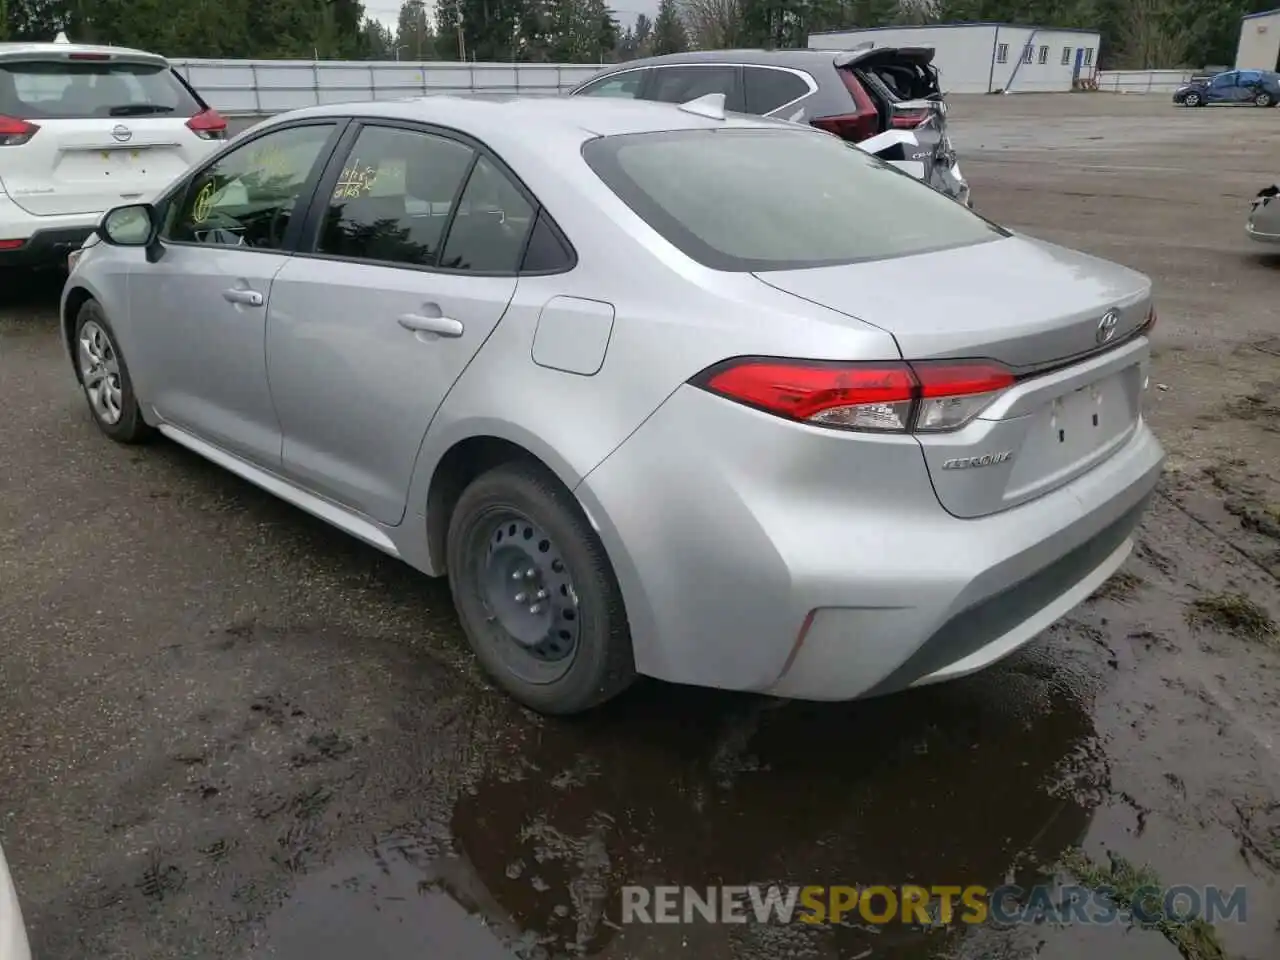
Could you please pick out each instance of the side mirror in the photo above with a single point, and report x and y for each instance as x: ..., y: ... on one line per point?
x: 131, y: 226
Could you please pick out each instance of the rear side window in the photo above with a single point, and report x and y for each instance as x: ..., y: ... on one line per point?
x: 91, y: 89
x: 730, y: 210
x: 685, y: 83
x: 767, y: 90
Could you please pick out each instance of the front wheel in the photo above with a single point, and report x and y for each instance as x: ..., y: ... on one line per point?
x: 1263, y: 100
x: 536, y: 593
x: 1192, y: 100
x: 104, y: 375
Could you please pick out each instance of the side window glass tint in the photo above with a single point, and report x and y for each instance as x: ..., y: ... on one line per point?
x: 767, y: 90
x: 546, y: 252
x: 248, y: 198
x: 492, y: 222
x: 394, y: 195
x: 626, y: 86
x: 682, y: 84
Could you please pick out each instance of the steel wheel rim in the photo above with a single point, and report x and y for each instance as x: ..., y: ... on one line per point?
x: 100, y: 373
x: 529, y: 599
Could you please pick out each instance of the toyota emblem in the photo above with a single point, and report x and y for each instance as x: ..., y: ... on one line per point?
x: 1107, y: 326
x: 122, y: 133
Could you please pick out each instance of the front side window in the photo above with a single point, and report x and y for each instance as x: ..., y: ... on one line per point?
x: 248, y: 197
x: 1224, y: 80
x: 91, y: 89
x: 730, y: 210
x: 394, y: 195
x: 624, y: 86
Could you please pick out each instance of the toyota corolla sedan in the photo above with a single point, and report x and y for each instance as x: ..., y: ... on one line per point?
x: 650, y: 406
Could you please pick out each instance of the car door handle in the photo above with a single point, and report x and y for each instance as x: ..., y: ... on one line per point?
x: 249, y: 298
x: 443, y: 326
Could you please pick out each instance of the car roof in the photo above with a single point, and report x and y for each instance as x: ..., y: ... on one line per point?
x: 781, y: 58
x: 499, y: 117
x: 25, y: 51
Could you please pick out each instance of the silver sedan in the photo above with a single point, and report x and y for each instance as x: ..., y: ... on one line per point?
x: 1263, y: 224
x: 717, y: 400
x: 13, y: 937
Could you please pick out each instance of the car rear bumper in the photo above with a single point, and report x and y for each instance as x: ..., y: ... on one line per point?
x: 757, y: 559
x: 46, y: 240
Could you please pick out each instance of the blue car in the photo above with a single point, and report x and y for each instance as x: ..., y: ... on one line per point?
x: 1259, y: 88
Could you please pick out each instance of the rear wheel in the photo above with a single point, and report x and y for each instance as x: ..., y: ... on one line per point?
x: 1192, y: 100
x: 1263, y: 99
x: 536, y: 593
x: 105, y: 378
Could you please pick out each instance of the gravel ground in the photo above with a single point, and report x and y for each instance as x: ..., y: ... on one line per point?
x: 228, y: 731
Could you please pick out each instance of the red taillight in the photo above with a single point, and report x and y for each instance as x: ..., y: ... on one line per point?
x: 11, y: 244
x: 909, y: 119
x: 88, y: 56
x: 893, y: 396
x: 864, y: 122
x: 208, y: 125
x: 15, y: 132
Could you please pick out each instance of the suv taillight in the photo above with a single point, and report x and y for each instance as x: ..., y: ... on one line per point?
x: 208, y: 125
x: 908, y: 119
x: 925, y: 396
x: 863, y: 123
x: 15, y: 132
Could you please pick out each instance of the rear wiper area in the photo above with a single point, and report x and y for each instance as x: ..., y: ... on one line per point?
x: 138, y: 110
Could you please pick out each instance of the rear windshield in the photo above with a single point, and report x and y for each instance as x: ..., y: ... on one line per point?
x: 755, y: 199
x: 61, y: 89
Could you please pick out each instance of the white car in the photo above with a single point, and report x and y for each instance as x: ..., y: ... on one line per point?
x: 84, y: 129
x: 13, y: 937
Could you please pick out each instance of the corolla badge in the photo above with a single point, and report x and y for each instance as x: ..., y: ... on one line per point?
x: 968, y: 463
x: 1107, y: 327
x: 121, y: 133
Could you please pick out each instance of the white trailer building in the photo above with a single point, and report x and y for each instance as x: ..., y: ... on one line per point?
x: 1259, y: 47
x: 987, y: 57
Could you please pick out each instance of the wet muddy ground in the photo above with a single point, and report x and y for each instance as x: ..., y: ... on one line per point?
x: 228, y: 731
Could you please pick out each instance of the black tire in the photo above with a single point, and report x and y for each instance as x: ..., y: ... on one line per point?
x: 129, y: 427
x: 601, y: 664
x: 1192, y: 100
x: 1263, y: 99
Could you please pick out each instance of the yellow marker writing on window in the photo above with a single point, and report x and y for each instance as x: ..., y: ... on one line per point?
x: 356, y: 181
x: 203, y: 207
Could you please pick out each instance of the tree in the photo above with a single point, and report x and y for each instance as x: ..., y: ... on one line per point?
x: 4, y: 20
x: 414, y: 39
x: 668, y: 30
x: 377, y: 40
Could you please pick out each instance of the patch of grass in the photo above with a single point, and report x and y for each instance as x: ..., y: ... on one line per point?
x: 1195, y: 939
x: 1232, y: 613
x: 1122, y: 586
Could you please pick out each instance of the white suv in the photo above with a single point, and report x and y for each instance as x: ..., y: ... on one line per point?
x: 84, y: 129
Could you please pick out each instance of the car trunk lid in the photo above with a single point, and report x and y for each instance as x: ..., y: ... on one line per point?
x: 1061, y: 321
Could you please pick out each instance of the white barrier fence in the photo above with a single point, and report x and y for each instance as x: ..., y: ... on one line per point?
x: 261, y: 87
x: 1142, y: 81
x: 258, y: 87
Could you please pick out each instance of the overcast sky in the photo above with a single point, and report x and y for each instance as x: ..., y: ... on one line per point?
x: 388, y: 11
